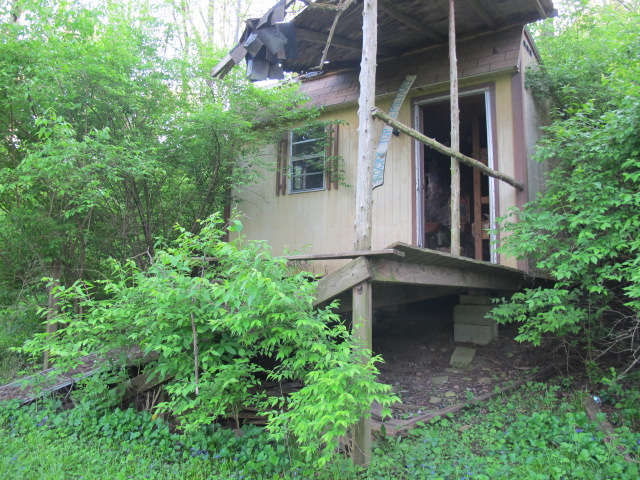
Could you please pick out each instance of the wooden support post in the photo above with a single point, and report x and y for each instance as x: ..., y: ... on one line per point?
x: 362, y: 322
x: 455, y: 133
x: 477, y: 190
x: 366, y: 140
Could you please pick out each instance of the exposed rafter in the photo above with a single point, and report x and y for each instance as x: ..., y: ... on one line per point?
x: 336, y: 41
x: 397, y: 14
x: 540, y: 8
x: 477, y: 7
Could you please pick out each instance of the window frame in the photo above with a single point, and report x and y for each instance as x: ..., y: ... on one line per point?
x: 321, y: 156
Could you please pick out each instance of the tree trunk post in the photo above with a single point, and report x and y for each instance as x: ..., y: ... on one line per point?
x: 362, y: 322
x: 455, y: 133
x: 366, y: 140
x: 362, y: 310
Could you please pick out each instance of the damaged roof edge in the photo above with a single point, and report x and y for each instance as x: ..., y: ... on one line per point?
x: 271, y: 46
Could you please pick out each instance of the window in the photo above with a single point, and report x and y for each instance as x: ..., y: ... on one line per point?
x: 307, y: 159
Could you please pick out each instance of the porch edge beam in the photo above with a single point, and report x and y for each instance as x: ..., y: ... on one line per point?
x: 417, y: 274
x: 339, y: 256
x: 335, y: 283
x: 430, y: 142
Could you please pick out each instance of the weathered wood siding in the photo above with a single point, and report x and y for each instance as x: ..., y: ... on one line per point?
x: 322, y: 221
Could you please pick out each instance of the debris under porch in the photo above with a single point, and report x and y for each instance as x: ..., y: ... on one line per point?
x: 424, y: 312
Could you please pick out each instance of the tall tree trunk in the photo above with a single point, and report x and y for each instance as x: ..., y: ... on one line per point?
x: 236, y: 35
x: 364, y: 201
x: 211, y: 21
x: 53, y: 308
x: 455, y: 133
x: 366, y: 140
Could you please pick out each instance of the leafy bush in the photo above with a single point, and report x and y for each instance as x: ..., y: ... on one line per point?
x: 585, y: 229
x: 221, y: 329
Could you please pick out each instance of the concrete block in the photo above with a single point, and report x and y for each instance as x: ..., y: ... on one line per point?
x: 471, y: 314
x: 462, y: 356
x: 475, y: 300
x: 478, y: 334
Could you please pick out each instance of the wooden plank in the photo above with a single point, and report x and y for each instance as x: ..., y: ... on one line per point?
x: 376, y: 112
x: 337, y: 41
x: 140, y: 384
x: 362, y: 331
x: 481, y: 11
x: 387, y: 132
x: 455, y: 133
x: 402, y: 426
x: 339, y: 256
x: 394, y: 12
x: 411, y: 273
x: 605, y: 427
x: 335, y: 283
x: 388, y: 295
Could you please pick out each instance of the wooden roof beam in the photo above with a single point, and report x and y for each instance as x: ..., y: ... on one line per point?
x: 336, y: 41
x: 481, y: 11
x: 540, y: 8
x: 397, y: 14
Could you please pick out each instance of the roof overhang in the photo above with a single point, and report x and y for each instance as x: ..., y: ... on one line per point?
x: 404, y: 26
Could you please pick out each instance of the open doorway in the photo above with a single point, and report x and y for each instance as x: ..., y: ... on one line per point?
x: 476, y: 215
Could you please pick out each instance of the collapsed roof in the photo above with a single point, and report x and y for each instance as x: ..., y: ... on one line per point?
x: 271, y: 46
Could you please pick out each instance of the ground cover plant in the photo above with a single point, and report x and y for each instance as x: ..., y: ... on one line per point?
x: 537, y: 432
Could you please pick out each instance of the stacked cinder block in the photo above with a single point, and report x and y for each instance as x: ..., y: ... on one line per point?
x: 469, y: 322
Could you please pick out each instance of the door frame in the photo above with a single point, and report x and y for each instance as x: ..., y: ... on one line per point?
x: 419, y: 191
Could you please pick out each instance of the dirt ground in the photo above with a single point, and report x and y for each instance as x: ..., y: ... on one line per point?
x: 416, y: 343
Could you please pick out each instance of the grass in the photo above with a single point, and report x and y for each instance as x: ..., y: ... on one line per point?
x: 537, y: 432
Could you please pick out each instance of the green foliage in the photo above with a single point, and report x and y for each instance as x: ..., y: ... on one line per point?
x: 584, y: 230
x: 536, y: 432
x: 531, y: 434
x: 220, y: 330
x: 111, y: 132
x: 44, y: 441
x: 578, y: 49
x: 17, y: 324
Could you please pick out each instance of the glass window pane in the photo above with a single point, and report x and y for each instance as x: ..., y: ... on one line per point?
x: 304, y: 149
x: 316, y: 133
x: 314, y: 181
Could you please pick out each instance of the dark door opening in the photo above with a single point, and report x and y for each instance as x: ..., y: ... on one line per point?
x: 475, y: 212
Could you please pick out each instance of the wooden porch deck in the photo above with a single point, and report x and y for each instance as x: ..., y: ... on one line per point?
x: 403, y: 273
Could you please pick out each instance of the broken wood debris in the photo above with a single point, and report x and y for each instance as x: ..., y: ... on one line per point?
x: 593, y: 410
x: 395, y: 427
x: 265, y: 42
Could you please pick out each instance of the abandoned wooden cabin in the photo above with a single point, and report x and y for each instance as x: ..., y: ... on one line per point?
x: 304, y: 205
